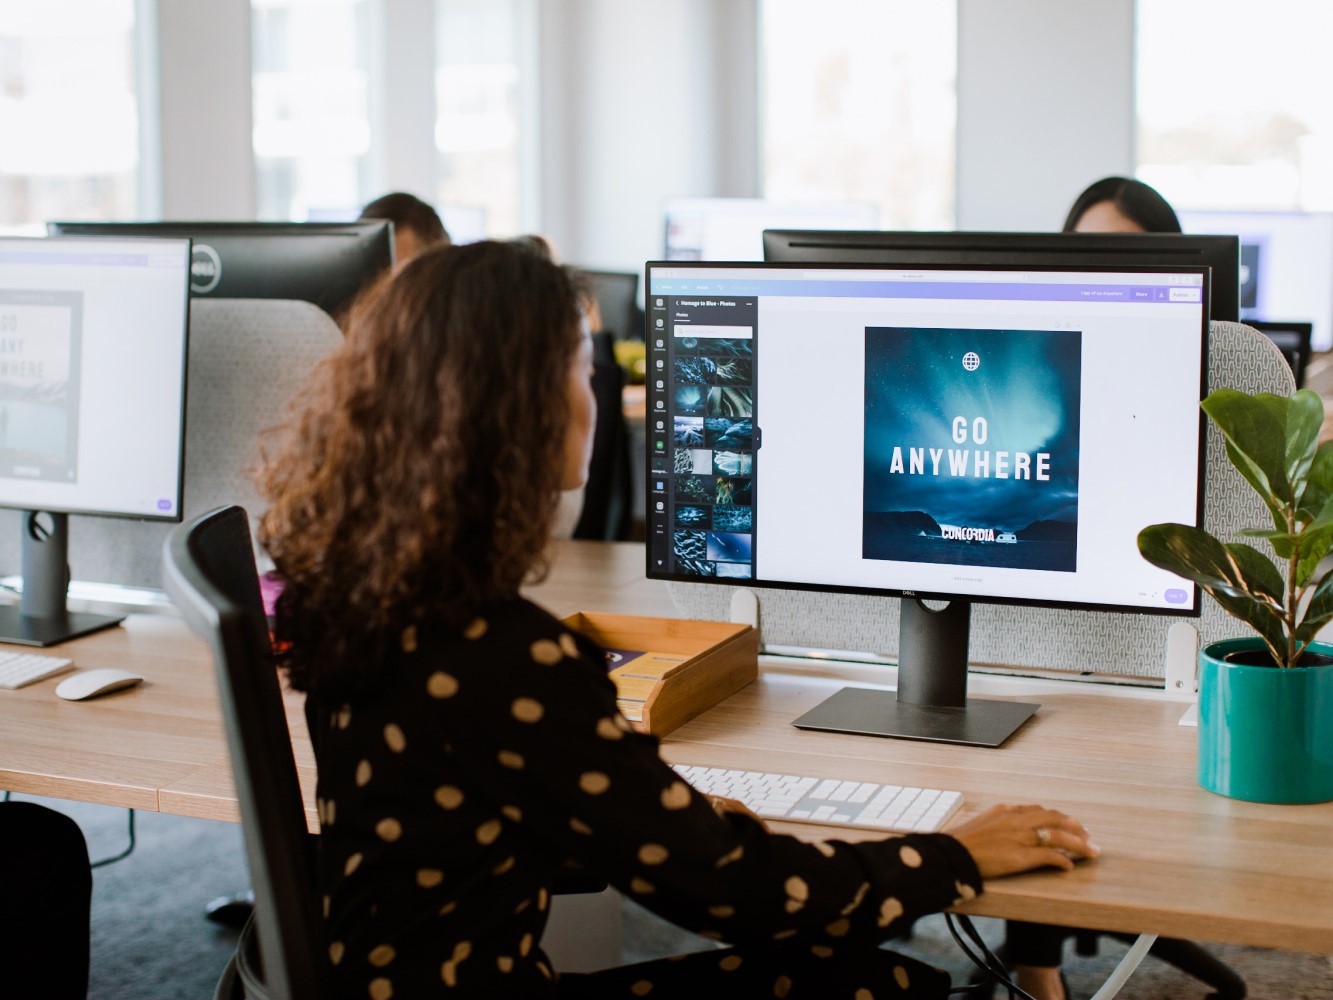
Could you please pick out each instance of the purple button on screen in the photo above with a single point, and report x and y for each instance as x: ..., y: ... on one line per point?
x: 164, y: 505
x: 1176, y: 596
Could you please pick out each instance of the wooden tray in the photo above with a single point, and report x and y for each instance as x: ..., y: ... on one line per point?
x: 671, y: 669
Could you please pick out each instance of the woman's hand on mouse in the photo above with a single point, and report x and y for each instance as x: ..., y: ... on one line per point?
x: 1008, y: 839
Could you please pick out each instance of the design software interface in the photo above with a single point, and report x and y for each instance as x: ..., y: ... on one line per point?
x: 992, y: 433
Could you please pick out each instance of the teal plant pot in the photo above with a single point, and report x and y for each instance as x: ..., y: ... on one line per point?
x: 1265, y: 734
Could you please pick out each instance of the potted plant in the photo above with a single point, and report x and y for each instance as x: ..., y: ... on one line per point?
x: 1266, y: 701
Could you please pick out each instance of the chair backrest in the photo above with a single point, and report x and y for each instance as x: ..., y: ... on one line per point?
x: 247, y: 359
x: 209, y: 571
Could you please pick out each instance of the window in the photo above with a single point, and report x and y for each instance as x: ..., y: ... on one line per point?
x: 1233, y: 108
x: 312, y: 130
x: 859, y: 104
x: 69, y: 112
x: 480, y: 58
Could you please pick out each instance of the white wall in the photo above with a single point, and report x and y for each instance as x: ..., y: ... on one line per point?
x: 641, y: 101
x: 1045, y: 107
x: 206, y: 169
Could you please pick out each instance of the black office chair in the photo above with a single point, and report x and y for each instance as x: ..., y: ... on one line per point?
x: 607, y: 494
x: 209, y: 571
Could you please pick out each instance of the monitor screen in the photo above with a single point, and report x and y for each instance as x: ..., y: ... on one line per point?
x: 954, y: 433
x: 733, y: 228
x: 93, y: 336
x: 1286, y: 265
x: 92, y: 375
x: 326, y: 263
x: 1219, y: 252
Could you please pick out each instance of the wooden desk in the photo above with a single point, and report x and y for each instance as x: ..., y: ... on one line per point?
x: 1177, y: 860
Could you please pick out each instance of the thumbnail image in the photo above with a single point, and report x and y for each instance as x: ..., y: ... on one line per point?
x: 715, y: 346
x: 724, y: 546
x: 734, y: 491
x: 728, y: 434
x: 691, y: 517
x: 690, y: 399
x: 693, y: 461
x: 729, y: 517
x: 733, y: 371
x: 730, y: 401
x: 736, y: 571
x: 39, y: 384
x: 695, y: 370
x: 690, y: 552
x: 972, y: 447
x: 690, y: 432
x: 694, y: 489
x: 732, y: 463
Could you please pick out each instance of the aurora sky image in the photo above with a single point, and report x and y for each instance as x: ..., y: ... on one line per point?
x: 1023, y: 385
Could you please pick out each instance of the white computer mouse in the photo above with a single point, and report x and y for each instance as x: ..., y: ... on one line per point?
x: 91, y: 683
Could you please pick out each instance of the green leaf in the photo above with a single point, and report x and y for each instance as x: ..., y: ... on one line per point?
x: 1305, y: 418
x: 1319, y: 483
x: 1255, y: 428
x: 1315, y: 544
x: 1258, y: 572
x: 1242, y: 581
x: 1318, y: 613
x: 1275, y: 507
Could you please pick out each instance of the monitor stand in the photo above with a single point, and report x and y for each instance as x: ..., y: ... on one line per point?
x: 41, y: 618
x: 931, y: 702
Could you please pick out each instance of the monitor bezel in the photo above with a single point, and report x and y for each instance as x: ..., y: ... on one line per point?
x: 860, y: 246
x: 99, y: 243
x: 1192, y: 612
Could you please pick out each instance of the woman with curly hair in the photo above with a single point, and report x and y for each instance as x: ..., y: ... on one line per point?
x: 468, y: 743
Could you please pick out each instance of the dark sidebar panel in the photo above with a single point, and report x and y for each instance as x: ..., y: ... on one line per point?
x: 702, y: 435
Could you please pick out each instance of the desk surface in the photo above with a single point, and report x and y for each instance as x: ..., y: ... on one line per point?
x: 1177, y: 860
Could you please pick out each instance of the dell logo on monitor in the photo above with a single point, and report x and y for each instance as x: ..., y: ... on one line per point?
x: 205, y: 269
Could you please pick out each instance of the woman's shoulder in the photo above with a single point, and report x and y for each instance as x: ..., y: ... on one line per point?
x: 516, y: 630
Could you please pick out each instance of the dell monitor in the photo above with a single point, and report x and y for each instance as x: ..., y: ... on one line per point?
x: 326, y: 263
x: 733, y: 228
x: 1221, y: 253
x: 958, y: 433
x: 1286, y: 265
x: 93, y: 337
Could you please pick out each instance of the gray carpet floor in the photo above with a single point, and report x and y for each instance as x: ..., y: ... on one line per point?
x: 151, y: 942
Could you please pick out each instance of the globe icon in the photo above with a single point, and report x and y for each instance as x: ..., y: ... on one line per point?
x: 971, y: 361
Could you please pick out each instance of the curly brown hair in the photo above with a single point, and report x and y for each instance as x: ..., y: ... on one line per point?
x: 420, y: 473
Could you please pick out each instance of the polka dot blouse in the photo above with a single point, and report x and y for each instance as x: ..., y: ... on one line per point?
x: 490, y: 757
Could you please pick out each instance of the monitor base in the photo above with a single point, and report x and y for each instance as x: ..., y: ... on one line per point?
x: 870, y: 712
x: 29, y: 631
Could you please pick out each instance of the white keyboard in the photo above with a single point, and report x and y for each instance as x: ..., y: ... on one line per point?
x: 861, y: 804
x: 18, y: 669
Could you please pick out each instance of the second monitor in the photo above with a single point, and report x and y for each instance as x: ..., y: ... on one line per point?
x: 326, y: 263
x: 1221, y: 253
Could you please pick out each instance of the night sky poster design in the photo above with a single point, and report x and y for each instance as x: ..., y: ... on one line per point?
x: 972, y: 447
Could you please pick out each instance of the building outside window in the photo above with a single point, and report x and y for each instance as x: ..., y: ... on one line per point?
x: 482, y: 56
x: 1233, y: 103
x: 860, y: 104
x: 69, y: 112
x: 312, y: 91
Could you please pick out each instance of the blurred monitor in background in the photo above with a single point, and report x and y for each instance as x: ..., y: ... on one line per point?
x: 733, y: 228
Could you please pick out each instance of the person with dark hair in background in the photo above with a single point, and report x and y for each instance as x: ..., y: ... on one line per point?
x: 46, y: 903
x: 468, y: 742
x: 416, y: 226
x: 1121, y: 205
